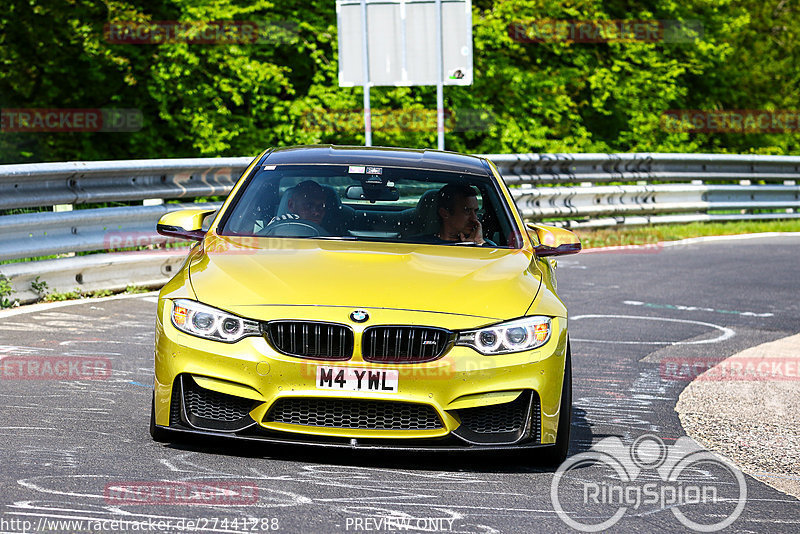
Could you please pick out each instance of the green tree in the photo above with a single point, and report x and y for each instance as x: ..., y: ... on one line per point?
x: 238, y: 98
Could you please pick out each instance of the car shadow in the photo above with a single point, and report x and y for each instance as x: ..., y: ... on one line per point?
x: 478, y: 461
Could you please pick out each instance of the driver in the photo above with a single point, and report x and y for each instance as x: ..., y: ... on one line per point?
x: 457, y: 208
x: 306, y: 201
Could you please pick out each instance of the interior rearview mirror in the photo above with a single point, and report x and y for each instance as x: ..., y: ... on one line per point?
x: 552, y: 240
x: 372, y: 193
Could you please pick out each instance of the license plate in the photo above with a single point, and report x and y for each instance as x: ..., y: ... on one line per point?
x: 354, y: 379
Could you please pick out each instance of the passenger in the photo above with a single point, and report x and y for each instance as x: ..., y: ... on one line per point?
x: 457, y: 208
x: 306, y: 202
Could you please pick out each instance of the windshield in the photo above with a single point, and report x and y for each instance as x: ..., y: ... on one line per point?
x: 371, y: 203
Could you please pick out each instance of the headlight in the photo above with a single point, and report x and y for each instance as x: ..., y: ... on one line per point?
x: 210, y: 323
x: 514, y: 336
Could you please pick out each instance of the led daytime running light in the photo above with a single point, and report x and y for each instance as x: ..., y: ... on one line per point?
x: 210, y: 323
x: 514, y: 336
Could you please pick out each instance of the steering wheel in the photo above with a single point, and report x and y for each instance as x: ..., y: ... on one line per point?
x: 294, y: 228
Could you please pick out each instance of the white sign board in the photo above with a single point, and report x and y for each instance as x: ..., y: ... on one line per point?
x: 401, y: 42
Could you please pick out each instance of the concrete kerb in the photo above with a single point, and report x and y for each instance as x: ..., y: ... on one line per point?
x: 753, y: 422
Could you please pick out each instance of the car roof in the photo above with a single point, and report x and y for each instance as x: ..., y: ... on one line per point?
x: 377, y: 156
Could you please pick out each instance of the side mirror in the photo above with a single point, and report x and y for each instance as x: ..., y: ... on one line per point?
x: 553, y: 241
x: 185, y: 224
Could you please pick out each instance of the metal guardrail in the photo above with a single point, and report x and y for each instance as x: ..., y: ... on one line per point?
x: 685, y: 197
x: 662, y: 167
x: 623, y: 201
x: 48, y: 184
x: 655, y: 188
x: 44, y: 234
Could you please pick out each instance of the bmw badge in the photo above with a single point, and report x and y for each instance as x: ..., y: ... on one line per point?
x: 359, y: 316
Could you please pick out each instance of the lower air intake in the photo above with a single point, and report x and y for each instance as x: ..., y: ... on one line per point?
x: 356, y: 414
x: 211, y: 410
x: 501, y: 423
x: 508, y: 417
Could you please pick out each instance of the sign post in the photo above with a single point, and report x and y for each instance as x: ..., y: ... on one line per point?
x: 440, y: 77
x: 365, y: 69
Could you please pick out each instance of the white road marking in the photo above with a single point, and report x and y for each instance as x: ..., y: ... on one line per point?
x: 726, y: 333
x: 735, y: 237
x: 14, y: 350
x: 694, y: 308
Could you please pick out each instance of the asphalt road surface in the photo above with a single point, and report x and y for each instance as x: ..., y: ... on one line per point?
x: 67, y: 446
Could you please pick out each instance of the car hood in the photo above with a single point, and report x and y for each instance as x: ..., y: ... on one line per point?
x: 475, y: 281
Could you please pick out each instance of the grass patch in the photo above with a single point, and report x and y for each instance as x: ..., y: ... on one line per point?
x: 136, y: 289
x: 643, y: 235
x: 5, y: 292
x: 57, y: 296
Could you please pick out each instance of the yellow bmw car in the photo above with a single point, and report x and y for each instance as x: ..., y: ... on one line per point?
x: 366, y: 298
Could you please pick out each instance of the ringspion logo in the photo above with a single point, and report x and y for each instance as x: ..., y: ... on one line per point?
x: 702, y: 491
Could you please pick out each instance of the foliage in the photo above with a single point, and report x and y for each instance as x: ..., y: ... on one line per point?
x: 58, y: 296
x: 5, y: 292
x: 237, y: 99
x: 39, y: 287
x: 75, y: 294
x: 133, y: 289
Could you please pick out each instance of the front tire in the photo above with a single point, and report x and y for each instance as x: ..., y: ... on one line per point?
x: 557, y: 453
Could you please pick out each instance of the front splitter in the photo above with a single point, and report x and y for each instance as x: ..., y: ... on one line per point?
x: 354, y: 444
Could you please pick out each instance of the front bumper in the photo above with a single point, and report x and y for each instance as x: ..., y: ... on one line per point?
x: 505, y: 401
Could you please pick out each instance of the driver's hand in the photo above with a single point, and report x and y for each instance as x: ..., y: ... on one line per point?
x: 476, y: 235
